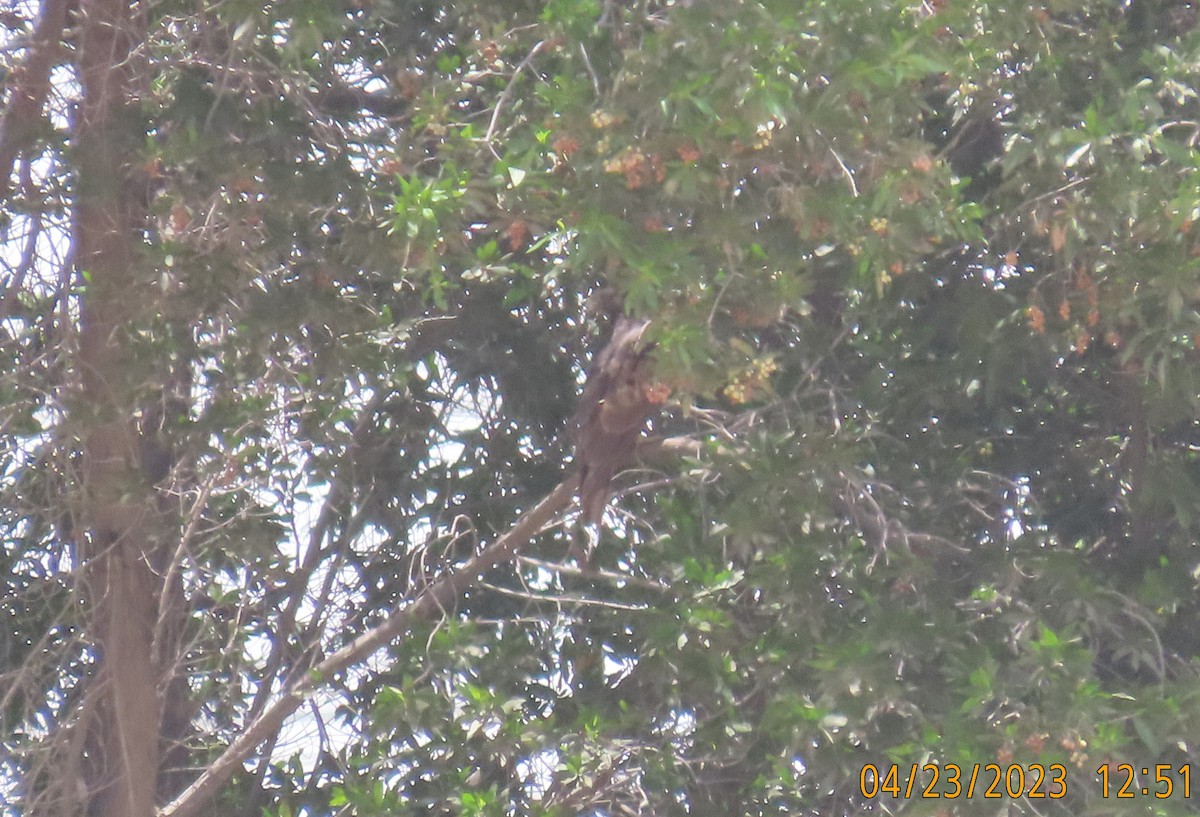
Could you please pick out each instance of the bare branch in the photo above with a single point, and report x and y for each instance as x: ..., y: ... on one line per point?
x: 438, y: 596
x: 507, y: 94
x: 433, y: 601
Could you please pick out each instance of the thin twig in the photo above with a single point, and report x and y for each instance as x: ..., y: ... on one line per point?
x: 176, y: 565
x: 578, y: 601
x: 507, y: 93
x: 593, y: 574
x: 841, y: 164
x: 587, y: 63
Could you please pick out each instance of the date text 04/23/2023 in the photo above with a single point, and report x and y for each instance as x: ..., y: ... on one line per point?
x: 1032, y: 781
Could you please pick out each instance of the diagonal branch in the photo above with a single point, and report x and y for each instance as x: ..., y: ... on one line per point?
x: 433, y: 601
x: 508, y: 90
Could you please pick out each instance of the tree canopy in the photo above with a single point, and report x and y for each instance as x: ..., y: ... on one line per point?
x: 297, y: 303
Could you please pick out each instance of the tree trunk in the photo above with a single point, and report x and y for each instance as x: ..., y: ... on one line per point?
x: 119, y: 554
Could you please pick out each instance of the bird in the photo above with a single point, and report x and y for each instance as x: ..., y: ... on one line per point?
x: 619, y: 398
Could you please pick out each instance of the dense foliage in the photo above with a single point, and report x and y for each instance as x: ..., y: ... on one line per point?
x: 297, y: 299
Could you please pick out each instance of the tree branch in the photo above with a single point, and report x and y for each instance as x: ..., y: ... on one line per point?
x: 433, y: 601
x: 29, y: 86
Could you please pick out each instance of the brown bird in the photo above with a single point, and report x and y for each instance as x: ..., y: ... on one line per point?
x: 617, y: 400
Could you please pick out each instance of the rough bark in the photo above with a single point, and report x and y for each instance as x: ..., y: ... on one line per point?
x: 119, y: 554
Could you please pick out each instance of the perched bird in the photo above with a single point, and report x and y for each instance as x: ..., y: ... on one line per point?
x: 618, y: 399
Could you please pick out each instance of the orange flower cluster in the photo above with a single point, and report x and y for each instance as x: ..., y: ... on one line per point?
x: 1036, y: 318
x: 1080, y: 333
x: 756, y: 318
x: 657, y: 393
x: 922, y: 163
x: 638, y: 168
x: 517, y: 235
x: 565, y: 146
x: 1085, y: 284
